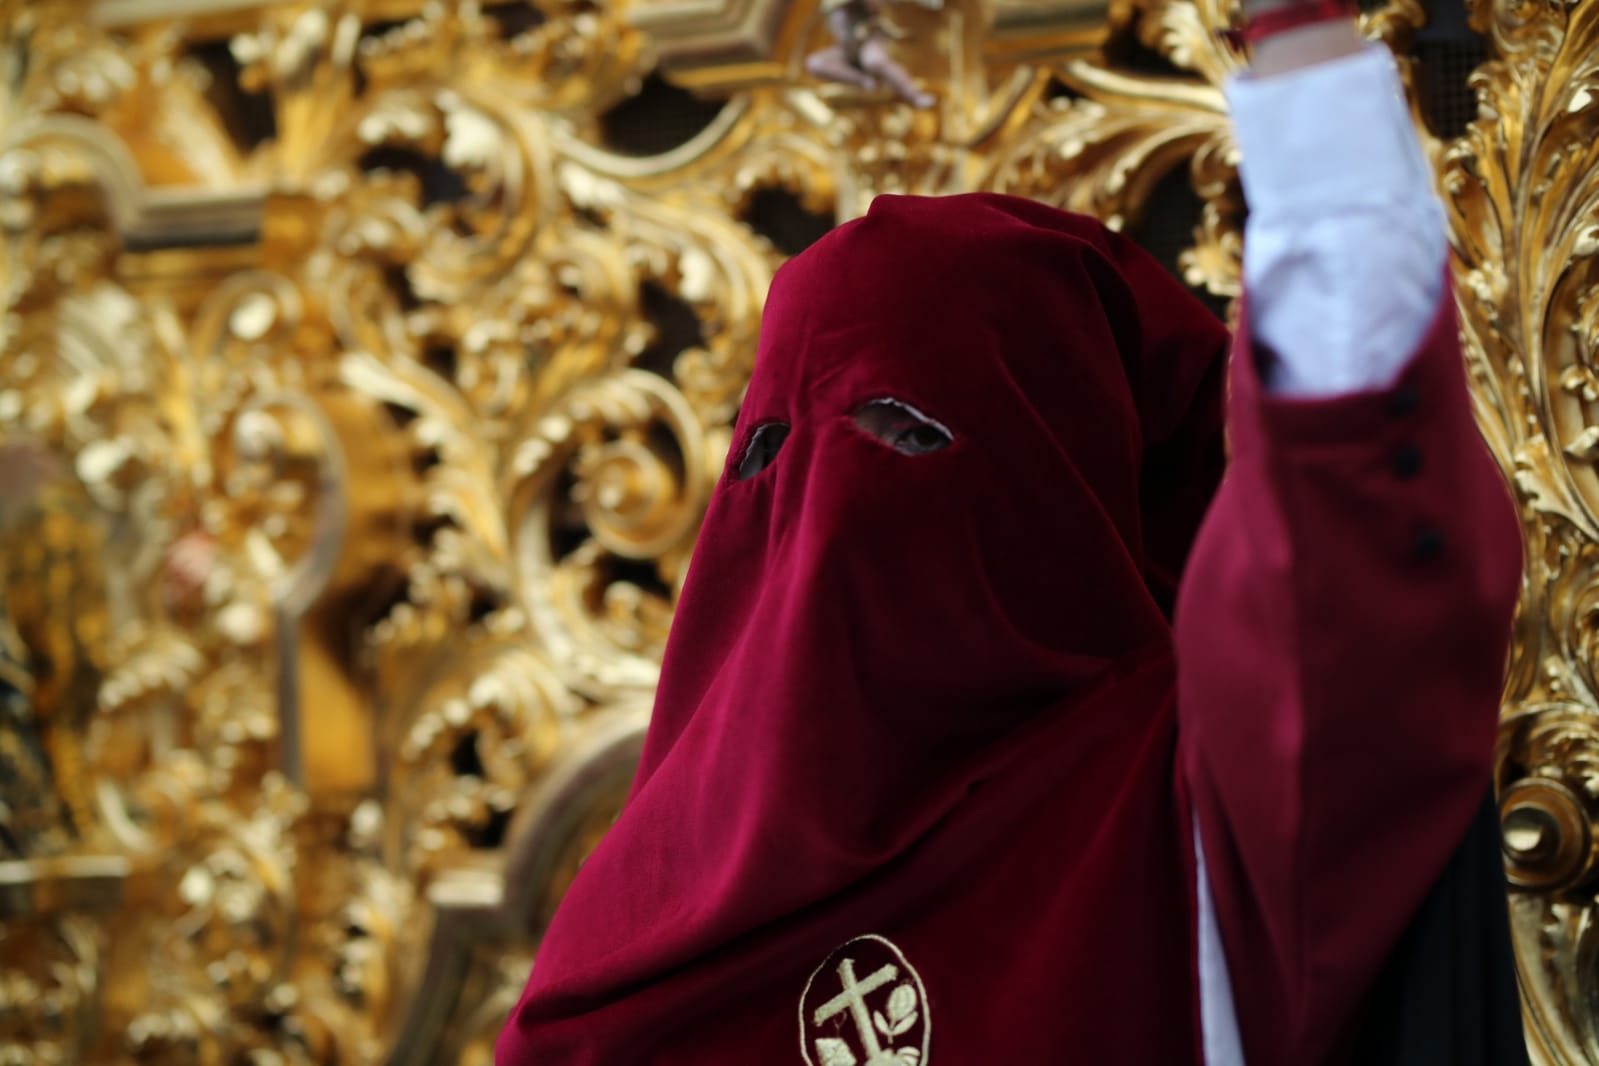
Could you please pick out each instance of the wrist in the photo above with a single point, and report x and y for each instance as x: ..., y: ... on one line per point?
x: 1302, y: 46
x: 1268, y: 18
x: 1280, y: 36
x: 1252, y: 8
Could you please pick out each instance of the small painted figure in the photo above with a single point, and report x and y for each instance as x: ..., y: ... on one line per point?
x: 860, y: 56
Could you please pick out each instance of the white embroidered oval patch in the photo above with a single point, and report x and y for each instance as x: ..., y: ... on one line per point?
x: 865, y: 1006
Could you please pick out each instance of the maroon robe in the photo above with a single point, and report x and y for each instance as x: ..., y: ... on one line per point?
x: 923, y: 771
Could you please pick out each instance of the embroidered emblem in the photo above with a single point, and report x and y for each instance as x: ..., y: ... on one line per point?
x: 865, y: 1006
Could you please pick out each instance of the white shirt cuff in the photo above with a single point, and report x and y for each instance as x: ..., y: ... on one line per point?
x: 1345, y: 243
x: 1325, y: 135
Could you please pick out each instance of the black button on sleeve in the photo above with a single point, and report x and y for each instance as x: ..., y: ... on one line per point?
x: 1403, y: 400
x: 1407, y: 462
x: 1429, y: 543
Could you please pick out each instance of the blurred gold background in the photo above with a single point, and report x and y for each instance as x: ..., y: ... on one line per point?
x: 376, y: 359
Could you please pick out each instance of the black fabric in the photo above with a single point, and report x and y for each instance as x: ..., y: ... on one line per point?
x: 1448, y: 996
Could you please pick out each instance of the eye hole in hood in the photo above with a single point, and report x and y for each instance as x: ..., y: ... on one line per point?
x: 902, y: 427
x: 761, y: 450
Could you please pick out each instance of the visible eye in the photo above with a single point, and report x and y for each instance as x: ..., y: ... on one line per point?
x: 902, y: 427
x: 761, y: 450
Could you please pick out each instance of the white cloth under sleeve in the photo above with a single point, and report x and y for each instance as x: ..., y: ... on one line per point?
x: 1345, y: 245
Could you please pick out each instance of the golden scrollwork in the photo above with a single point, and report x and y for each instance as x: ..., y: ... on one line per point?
x: 366, y: 306
x: 1521, y: 189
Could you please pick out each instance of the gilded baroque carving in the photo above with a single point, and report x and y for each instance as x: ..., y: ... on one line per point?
x: 386, y: 389
x: 1521, y: 189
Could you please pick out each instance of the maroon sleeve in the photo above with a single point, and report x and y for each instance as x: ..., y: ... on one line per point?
x: 1342, y: 634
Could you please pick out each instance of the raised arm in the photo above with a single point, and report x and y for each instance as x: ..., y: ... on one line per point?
x: 1345, y: 617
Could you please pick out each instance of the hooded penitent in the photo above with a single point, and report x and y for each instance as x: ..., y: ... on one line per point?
x: 908, y: 788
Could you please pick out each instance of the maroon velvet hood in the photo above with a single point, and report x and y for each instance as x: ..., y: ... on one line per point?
x: 924, y: 700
